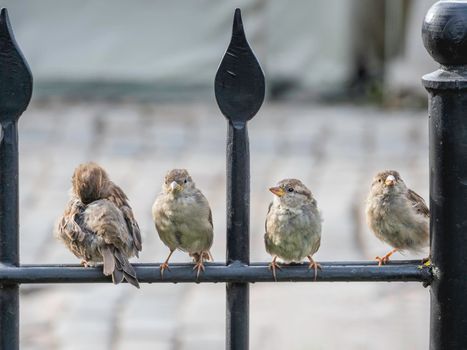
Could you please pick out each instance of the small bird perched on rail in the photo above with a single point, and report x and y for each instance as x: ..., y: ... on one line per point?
x: 397, y: 215
x: 98, y: 224
x: 293, y: 225
x: 183, y: 219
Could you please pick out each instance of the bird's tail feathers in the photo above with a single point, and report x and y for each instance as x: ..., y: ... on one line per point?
x: 109, y: 261
x: 117, y: 265
x: 124, y: 268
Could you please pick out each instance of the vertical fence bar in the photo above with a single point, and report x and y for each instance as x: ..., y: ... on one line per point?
x: 444, y: 35
x: 15, y: 93
x: 238, y: 222
x: 239, y: 87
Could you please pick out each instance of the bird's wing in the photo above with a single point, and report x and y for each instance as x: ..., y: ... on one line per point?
x: 210, y: 217
x: 132, y: 226
x: 418, y: 203
x: 69, y: 224
x: 158, y: 214
x: 104, y: 219
x: 201, y: 198
x: 116, y: 195
x: 206, y: 204
x: 266, y: 221
x: 119, y: 198
x: 71, y: 230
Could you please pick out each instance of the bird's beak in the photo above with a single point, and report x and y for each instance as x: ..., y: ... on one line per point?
x: 390, y: 180
x: 174, y: 186
x: 278, y: 191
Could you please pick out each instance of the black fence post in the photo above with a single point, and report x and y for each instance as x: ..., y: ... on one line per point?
x: 445, y: 37
x: 239, y: 88
x: 15, y: 93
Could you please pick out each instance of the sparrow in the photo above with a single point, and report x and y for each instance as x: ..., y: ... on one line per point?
x: 98, y: 224
x: 293, y: 225
x: 183, y: 219
x: 397, y: 215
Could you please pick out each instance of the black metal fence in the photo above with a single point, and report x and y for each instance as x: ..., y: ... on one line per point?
x: 240, y: 88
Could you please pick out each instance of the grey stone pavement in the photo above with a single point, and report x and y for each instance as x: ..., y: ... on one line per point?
x: 334, y: 150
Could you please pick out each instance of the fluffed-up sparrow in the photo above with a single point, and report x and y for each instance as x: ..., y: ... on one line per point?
x: 98, y: 224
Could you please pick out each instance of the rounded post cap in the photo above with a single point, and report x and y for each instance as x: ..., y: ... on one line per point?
x: 444, y: 32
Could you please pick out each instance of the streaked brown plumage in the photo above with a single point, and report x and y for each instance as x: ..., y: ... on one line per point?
x: 98, y: 224
x: 397, y: 215
x: 183, y: 218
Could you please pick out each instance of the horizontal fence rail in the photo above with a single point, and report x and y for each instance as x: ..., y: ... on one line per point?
x: 365, y: 271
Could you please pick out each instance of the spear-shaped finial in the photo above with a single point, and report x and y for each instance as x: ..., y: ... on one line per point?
x: 15, y: 76
x: 239, y: 83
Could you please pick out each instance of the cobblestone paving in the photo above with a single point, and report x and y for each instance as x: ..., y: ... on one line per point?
x: 334, y: 150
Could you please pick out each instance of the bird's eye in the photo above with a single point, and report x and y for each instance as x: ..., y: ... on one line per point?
x: 379, y: 180
x: 290, y: 189
x: 185, y: 181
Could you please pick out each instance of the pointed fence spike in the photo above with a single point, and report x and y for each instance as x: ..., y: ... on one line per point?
x: 15, y: 75
x: 239, y: 83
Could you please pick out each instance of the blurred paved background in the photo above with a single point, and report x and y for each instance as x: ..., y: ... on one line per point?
x: 334, y: 150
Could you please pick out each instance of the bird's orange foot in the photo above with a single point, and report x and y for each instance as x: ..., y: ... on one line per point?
x: 164, y: 266
x: 314, y: 265
x: 198, y: 266
x: 272, y: 266
x: 382, y: 260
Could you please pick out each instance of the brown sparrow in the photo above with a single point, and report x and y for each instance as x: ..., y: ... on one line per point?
x: 397, y: 215
x: 293, y: 225
x: 98, y: 224
x: 183, y: 219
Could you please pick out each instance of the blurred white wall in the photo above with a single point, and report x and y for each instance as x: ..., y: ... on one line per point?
x: 180, y: 43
